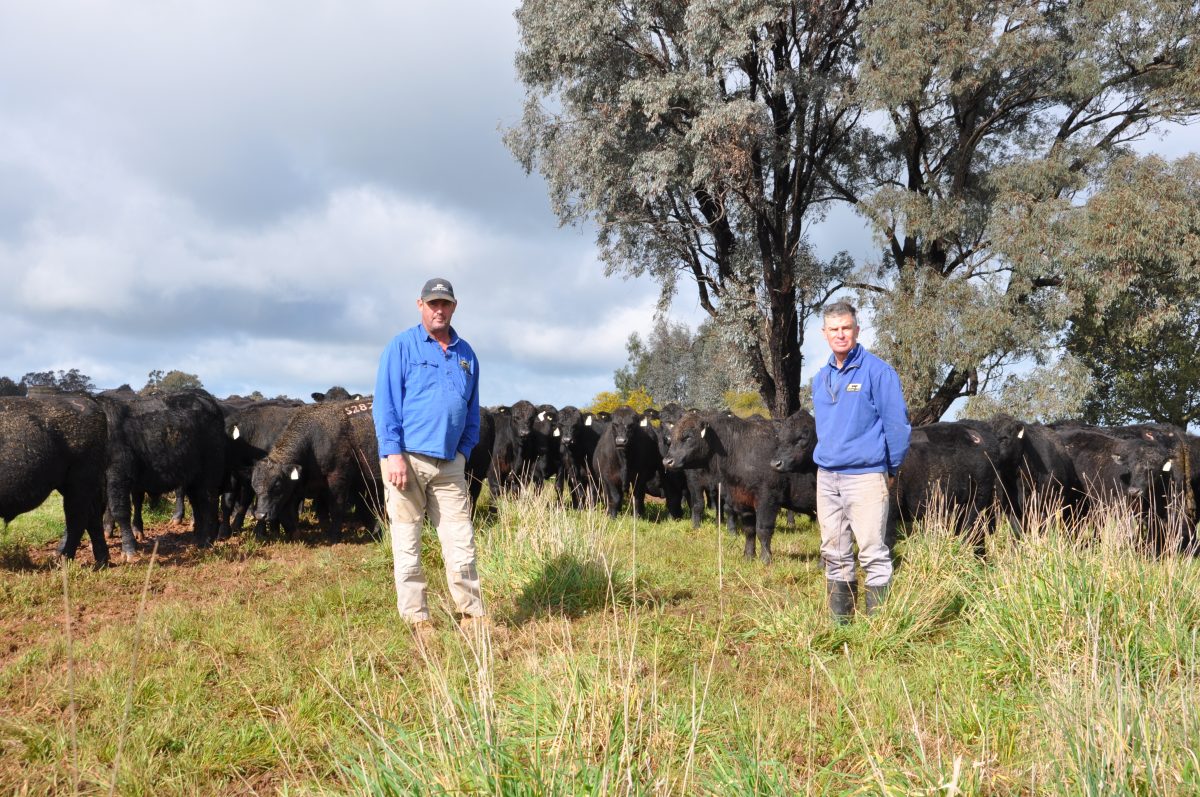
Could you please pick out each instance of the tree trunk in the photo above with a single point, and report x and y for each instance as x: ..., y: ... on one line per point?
x: 956, y: 384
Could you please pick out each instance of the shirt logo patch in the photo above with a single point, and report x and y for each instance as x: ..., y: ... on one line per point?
x: 466, y: 366
x: 854, y: 387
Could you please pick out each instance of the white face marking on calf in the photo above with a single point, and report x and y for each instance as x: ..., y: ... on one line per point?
x: 236, y: 433
x: 295, y: 475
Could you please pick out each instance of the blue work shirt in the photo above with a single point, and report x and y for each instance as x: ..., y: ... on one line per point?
x: 862, y: 421
x: 427, y: 399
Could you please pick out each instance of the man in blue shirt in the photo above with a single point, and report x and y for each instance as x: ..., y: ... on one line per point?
x: 426, y: 414
x: 862, y: 437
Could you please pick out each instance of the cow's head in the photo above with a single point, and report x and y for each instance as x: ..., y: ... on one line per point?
x: 796, y: 439
x: 691, y: 444
x: 275, y: 484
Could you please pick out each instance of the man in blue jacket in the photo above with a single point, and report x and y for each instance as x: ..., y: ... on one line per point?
x: 426, y: 413
x: 862, y: 437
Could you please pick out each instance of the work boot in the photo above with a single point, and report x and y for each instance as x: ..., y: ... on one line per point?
x: 875, y: 597
x: 423, y: 632
x: 841, y: 596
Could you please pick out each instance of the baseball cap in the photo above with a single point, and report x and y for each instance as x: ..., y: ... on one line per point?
x: 438, y: 288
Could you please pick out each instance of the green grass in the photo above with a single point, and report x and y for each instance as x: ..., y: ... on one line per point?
x: 634, y: 658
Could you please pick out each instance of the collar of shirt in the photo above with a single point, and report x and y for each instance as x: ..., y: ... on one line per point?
x: 852, y: 358
x: 429, y: 337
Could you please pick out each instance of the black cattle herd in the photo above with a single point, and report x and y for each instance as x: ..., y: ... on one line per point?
x: 105, y: 452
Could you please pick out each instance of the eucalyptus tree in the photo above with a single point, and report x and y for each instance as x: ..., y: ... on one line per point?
x: 1138, y: 327
x: 997, y: 121
x: 700, y: 138
x: 703, y: 138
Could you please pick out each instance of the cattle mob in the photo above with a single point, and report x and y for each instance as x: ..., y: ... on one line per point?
x: 105, y: 453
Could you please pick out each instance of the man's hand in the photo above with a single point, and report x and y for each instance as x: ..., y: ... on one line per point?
x: 891, y: 484
x: 395, y: 471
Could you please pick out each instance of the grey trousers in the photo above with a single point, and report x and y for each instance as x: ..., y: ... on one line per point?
x: 436, y: 487
x: 853, y: 508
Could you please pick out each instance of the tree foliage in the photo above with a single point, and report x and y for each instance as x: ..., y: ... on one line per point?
x: 72, y: 381
x: 170, y: 382
x: 609, y: 400
x: 1138, y: 329
x: 697, y: 136
x: 703, y: 138
x: 676, y: 365
x: 10, y: 388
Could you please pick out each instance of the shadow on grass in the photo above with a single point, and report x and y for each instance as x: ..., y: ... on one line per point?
x: 568, y: 587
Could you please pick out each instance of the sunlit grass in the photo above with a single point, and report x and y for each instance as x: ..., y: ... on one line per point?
x: 629, y: 657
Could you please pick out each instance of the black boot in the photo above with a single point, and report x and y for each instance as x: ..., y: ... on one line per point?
x: 841, y: 596
x: 875, y: 597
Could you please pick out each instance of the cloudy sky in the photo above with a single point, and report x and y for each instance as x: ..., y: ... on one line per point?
x: 254, y: 192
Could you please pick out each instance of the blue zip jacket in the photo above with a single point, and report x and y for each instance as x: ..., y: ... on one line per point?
x: 426, y: 399
x: 862, y: 420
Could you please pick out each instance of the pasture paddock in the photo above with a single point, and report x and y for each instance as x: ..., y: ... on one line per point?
x: 638, y: 658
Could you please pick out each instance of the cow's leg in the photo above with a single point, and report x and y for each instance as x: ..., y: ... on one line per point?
x: 138, y: 497
x: 119, y: 511
x: 177, y: 517
x: 204, y: 514
x: 764, y: 527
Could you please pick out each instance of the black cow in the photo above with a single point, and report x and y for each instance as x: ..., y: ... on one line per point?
x: 672, y: 485
x: 1132, y: 470
x: 480, y: 462
x: 701, y: 484
x: 578, y: 434
x: 627, y: 459
x: 953, y: 461
x: 337, y: 393
x: 56, y: 443
x: 536, y: 449
x: 1042, y: 473
x: 327, y: 450
x: 738, y: 453
x: 502, y: 473
x: 158, y: 443
x: 252, y: 430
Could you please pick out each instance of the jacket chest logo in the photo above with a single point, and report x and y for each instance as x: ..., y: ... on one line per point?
x: 854, y: 387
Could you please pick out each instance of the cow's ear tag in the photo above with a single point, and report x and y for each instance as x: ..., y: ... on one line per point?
x: 1167, y: 467
x: 295, y: 475
x: 588, y: 422
x: 542, y: 415
x: 645, y: 422
x: 1116, y: 458
x: 704, y: 431
x: 557, y: 433
x: 1021, y: 434
x: 236, y: 433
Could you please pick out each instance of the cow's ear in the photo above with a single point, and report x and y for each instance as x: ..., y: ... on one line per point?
x: 588, y: 421
x: 294, y: 474
x: 652, y: 413
x: 1167, y: 466
x: 236, y: 433
x: 318, y: 397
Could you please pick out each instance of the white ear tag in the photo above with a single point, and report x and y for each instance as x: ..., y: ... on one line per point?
x: 295, y: 476
x: 1021, y: 434
x: 542, y: 415
x: 588, y: 422
x: 1116, y: 458
x: 704, y: 431
x: 1167, y: 467
x: 645, y: 422
x: 557, y: 433
x: 236, y: 433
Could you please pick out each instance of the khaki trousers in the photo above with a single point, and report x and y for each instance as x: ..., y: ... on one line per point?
x: 853, y: 508
x: 436, y: 487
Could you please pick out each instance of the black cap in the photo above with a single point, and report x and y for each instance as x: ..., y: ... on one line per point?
x: 438, y: 288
